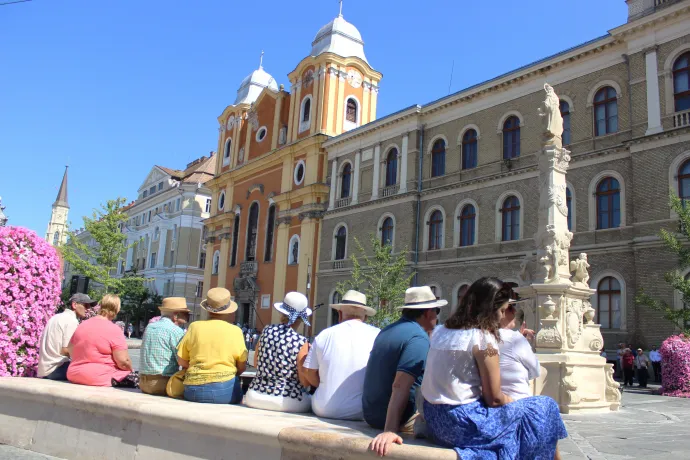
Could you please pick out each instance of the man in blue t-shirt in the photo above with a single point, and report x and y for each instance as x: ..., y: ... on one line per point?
x: 396, y: 367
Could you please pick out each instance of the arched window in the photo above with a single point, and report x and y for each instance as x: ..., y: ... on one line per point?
x: 226, y: 152
x: 467, y: 218
x: 293, y: 255
x: 235, y: 237
x: 605, y: 111
x: 511, y: 219
x: 609, y: 303
x: 351, y: 111
x: 270, y: 227
x: 392, y: 167
x: 608, y: 203
x: 306, y: 110
x: 56, y: 238
x: 569, y: 204
x: 216, y: 262
x: 565, y: 113
x: 438, y: 158
x: 340, y: 242
x: 387, y: 232
x: 469, y: 149
x: 435, y: 230
x: 684, y: 181
x: 462, y: 290
x: 511, y: 138
x: 681, y: 82
x: 345, y: 181
x: 252, y: 230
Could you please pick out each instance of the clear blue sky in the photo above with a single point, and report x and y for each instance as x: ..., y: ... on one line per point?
x: 115, y: 87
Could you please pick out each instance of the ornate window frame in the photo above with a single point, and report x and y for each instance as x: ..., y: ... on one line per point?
x: 498, y: 237
x: 379, y: 227
x: 594, y: 284
x: 592, y: 202
x: 304, y: 125
x: 334, y: 243
x: 427, y: 216
x: 456, y: 222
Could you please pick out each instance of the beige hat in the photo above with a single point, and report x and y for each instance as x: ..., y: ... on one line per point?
x: 354, y: 299
x: 421, y: 298
x: 174, y: 305
x: 219, y: 302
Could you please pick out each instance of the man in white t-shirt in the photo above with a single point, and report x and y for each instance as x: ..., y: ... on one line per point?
x: 337, y: 360
x: 53, y: 357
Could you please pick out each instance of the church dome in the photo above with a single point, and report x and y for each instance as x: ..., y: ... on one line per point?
x: 253, y: 84
x: 339, y: 37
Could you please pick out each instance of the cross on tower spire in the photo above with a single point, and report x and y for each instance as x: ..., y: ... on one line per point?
x: 341, y: 8
x: 261, y: 60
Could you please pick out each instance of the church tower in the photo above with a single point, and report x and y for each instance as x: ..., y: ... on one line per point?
x: 57, y: 227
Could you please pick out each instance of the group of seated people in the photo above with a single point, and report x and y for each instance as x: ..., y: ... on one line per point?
x: 464, y: 384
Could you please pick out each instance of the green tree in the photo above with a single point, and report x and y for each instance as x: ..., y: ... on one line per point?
x: 104, y: 227
x: 677, y: 243
x: 383, y: 277
x: 134, y: 295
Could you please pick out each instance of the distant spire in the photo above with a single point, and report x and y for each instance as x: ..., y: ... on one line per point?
x: 261, y: 60
x: 61, y: 199
x: 340, y: 15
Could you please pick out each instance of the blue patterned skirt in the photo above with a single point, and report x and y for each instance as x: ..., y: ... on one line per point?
x: 525, y: 429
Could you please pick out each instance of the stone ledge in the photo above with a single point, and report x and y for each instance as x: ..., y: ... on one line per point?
x: 78, y: 422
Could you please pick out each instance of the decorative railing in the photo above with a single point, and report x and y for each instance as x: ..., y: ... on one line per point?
x: 681, y: 119
x: 342, y: 202
x: 389, y: 191
x: 249, y: 268
x: 338, y: 264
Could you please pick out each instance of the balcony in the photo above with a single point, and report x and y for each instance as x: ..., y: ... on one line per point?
x: 681, y: 119
x: 389, y: 191
x: 342, y: 202
x: 338, y: 264
x: 249, y: 268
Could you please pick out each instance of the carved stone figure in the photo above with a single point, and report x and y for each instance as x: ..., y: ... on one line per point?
x: 573, y: 321
x: 550, y: 111
x: 282, y: 137
x: 295, y: 252
x: 613, y: 393
x: 579, y: 269
x: 525, y: 275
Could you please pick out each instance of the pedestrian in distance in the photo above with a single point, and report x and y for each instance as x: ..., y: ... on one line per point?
x: 655, y: 358
x: 628, y: 367
x: 642, y: 365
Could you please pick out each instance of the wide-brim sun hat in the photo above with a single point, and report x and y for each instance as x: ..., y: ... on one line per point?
x: 174, y: 305
x: 219, y: 302
x: 356, y: 300
x: 294, y: 305
x: 421, y: 298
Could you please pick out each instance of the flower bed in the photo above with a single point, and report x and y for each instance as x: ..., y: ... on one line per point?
x: 675, y: 366
x: 29, y: 296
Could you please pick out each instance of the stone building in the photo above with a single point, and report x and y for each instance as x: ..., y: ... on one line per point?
x: 165, y: 222
x: 455, y: 181
x: 269, y: 190
x: 56, y: 233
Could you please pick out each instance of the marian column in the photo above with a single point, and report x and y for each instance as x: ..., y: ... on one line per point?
x: 568, y: 341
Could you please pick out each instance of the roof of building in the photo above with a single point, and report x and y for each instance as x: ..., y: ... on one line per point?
x: 339, y: 37
x: 61, y: 199
x: 253, y: 84
x: 199, y: 171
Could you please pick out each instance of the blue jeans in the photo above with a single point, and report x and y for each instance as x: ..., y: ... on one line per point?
x: 60, y: 372
x: 229, y: 392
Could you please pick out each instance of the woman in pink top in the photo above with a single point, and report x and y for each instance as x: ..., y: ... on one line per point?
x: 99, y: 350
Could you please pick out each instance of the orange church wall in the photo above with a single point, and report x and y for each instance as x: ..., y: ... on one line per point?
x: 264, y: 112
x: 294, y: 164
x: 327, y: 105
x: 291, y: 270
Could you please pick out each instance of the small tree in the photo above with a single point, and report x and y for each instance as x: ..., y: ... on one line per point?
x: 134, y: 295
x: 104, y: 228
x: 678, y: 244
x: 383, y: 279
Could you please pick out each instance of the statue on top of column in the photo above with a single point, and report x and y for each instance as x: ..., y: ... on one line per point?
x: 550, y: 112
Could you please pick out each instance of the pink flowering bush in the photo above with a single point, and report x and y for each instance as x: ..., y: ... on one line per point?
x: 29, y: 296
x: 675, y: 366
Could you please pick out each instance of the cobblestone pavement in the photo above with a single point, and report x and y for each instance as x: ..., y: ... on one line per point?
x: 12, y: 453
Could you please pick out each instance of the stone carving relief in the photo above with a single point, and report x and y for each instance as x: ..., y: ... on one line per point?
x: 579, y: 270
x: 526, y: 267
x: 282, y: 136
x: 589, y: 312
x: 240, y: 156
x: 231, y: 121
x: 573, y: 321
x: 550, y: 113
x: 556, y: 196
x: 259, y: 187
x: 549, y: 308
x: 553, y: 252
x: 570, y: 386
x: 613, y: 393
x: 253, y: 120
x: 308, y: 78
x: 549, y: 338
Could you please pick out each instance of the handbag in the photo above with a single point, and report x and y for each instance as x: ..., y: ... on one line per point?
x: 175, y: 386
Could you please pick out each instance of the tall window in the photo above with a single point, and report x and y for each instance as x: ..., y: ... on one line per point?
x: 226, y: 153
x: 345, y: 182
x: 511, y: 138
x: 340, y: 240
x: 235, y: 237
x: 511, y: 219
x: 253, y: 223
x: 469, y: 149
x: 56, y: 238
x: 387, y: 231
x: 208, y: 205
x: 681, y: 82
x: 565, y: 113
x: 438, y: 158
x: 605, y: 111
x: 202, y: 260
x: 609, y: 303
x: 435, y: 230
x: 392, y: 167
x: 306, y: 111
x: 270, y: 227
x: 608, y: 203
x: 216, y: 263
x: 569, y: 204
x: 467, y: 221
x: 152, y: 261
x: 351, y: 111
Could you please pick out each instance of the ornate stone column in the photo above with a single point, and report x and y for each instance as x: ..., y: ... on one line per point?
x: 355, y: 179
x: 377, y: 172
x: 403, y: 164
x: 557, y: 306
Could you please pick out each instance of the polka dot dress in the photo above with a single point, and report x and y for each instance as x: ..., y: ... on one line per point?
x: 276, y: 374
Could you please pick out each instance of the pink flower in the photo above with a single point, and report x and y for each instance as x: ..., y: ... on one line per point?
x: 675, y: 366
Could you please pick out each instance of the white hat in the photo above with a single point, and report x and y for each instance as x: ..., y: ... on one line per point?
x: 354, y: 299
x: 294, y: 305
x: 421, y: 298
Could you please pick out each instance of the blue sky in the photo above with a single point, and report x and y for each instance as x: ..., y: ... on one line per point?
x: 115, y: 87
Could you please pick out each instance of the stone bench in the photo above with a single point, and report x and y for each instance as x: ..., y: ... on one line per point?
x: 78, y: 422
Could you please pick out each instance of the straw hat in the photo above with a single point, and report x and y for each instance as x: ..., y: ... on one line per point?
x: 174, y: 305
x: 421, y: 298
x: 219, y: 301
x: 354, y: 299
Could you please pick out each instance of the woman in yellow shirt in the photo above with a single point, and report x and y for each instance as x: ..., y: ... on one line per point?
x: 214, y: 353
